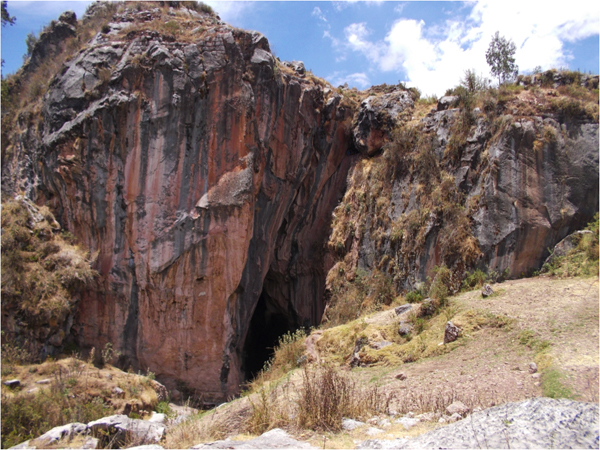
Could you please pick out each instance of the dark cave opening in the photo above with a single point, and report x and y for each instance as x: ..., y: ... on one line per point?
x: 268, y: 323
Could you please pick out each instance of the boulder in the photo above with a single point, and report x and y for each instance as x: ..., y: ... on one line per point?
x: 351, y: 424
x: 64, y: 431
x: 533, y: 423
x: 68, y: 17
x: 565, y: 246
x: 12, y: 383
x: 400, y: 376
x: 407, y: 422
x: 447, y: 102
x: 297, y: 66
x: 455, y: 417
x: 532, y: 367
x: 378, y: 345
x: 121, y: 427
x: 451, y: 333
x: 404, y: 328
x: 428, y: 307
x: 275, y: 438
x: 486, y: 291
x: 384, y: 423
x: 147, y: 447
x: 377, y: 116
x: 402, y: 309
x: 381, y: 443
x: 157, y: 417
x: 457, y: 407
x: 91, y: 443
x: 118, y: 391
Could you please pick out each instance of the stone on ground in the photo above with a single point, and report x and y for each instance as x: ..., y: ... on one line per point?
x: 276, y: 438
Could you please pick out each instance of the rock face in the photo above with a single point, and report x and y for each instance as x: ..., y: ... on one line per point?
x: 376, y: 118
x: 204, y: 175
x: 495, y: 196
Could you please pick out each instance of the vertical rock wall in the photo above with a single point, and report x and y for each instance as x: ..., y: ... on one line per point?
x: 194, y: 172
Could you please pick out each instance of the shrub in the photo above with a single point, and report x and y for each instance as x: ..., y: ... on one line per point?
x: 439, y: 289
x: 266, y: 413
x: 326, y: 396
x: 413, y: 297
x: 474, y: 280
x: 289, y: 350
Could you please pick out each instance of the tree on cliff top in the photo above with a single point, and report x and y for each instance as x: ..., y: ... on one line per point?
x: 500, y: 56
x: 6, y: 17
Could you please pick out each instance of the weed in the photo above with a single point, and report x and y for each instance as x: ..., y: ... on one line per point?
x: 109, y: 354
x: 163, y: 407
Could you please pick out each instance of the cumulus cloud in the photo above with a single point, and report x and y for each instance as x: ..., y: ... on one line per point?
x: 319, y: 14
x: 25, y: 10
x: 358, y: 79
x: 230, y: 11
x: 435, y: 57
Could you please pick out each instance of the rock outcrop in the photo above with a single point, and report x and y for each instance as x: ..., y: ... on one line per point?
x: 204, y: 173
x: 535, y: 423
x: 466, y: 189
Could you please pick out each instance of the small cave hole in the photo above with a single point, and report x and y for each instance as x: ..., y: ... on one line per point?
x: 268, y: 323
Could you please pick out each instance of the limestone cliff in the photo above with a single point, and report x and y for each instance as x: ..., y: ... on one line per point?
x: 203, y: 172
x: 492, y: 183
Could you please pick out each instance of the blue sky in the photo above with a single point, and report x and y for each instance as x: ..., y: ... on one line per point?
x: 425, y: 44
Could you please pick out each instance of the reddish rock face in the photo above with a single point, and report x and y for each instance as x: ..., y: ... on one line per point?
x: 196, y: 174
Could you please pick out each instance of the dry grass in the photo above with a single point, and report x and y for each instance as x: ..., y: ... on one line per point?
x: 76, y: 392
x: 583, y: 260
x: 41, y: 269
x: 287, y: 356
x: 327, y: 395
x: 203, y: 427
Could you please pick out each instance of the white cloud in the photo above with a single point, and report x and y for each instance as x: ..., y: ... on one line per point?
x: 319, y: 14
x: 434, y: 58
x: 26, y: 10
x: 399, y: 8
x: 229, y: 11
x: 358, y: 79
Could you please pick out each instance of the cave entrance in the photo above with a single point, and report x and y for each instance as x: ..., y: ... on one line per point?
x: 268, y: 323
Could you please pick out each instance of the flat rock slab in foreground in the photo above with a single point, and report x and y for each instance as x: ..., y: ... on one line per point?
x: 276, y: 438
x: 535, y: 423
